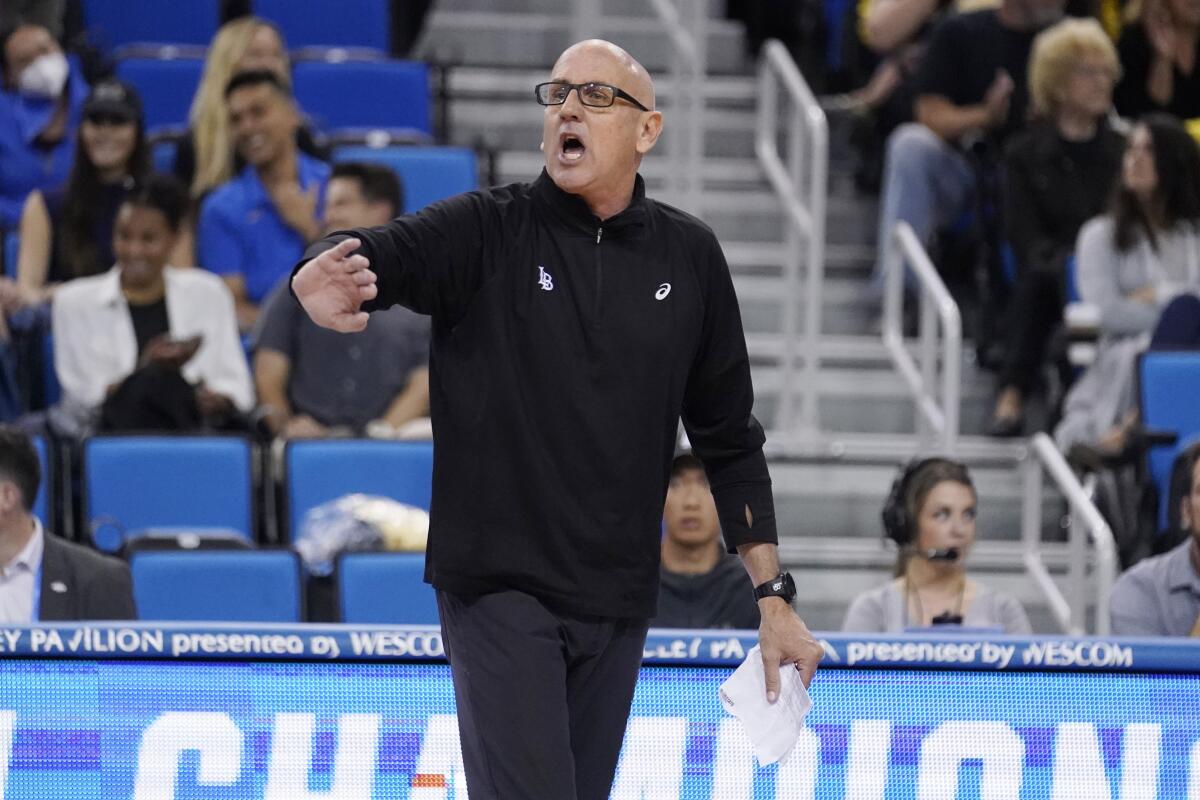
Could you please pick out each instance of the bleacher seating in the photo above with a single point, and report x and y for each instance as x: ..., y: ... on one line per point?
x: 1168, y: 388
x: 318, y: 471
x: 218, y: 586
x: 166, y: 85
x: 136, y: 482
x: 392, y: 95
x: 428, y: 173
x: 359, y: 23
x: 385, y: 588
x: 116, y: 23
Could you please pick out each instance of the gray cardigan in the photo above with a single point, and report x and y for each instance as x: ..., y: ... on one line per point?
x: 1106, y: 277
x: 882, y: 610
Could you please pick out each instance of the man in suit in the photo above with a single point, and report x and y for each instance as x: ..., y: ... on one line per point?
x: 43, y: 577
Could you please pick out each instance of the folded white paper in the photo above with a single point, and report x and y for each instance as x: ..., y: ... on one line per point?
x: 773, y: 728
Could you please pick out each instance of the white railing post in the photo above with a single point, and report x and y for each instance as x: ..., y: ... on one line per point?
x: 686, y: 25
x: 801, y: 184
x: 1087, y: 524
x: 934, y: 421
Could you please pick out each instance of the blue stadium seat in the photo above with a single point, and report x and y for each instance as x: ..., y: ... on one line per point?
x: 218, y: 586
x: 162, y: 155
x: 166, y: 85
x: 322, y: 470
x: 12, y: 248
x: 359, y: 23
x: 385, y: 588
x: 40, y: 504
x: 137, y: 482
x: 364, y: 94
x: 428, y: 173
x: 122, y: 22
x: 1168, y: 385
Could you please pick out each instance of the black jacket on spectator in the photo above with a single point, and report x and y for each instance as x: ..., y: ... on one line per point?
x: 1131, y: 97
x: 721, y: 598
x: 1053, y: 186
x: 564, y: 350
x: 965, y: 51
x: 81, y: 584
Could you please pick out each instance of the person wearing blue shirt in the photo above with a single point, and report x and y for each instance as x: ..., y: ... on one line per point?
x: 252, y: 229
x: 40, y: 109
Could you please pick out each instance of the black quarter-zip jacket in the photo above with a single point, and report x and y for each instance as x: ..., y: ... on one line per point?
x: 564, y: 350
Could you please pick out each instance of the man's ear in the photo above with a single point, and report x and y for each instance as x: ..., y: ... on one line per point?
x: 649, y: 131
x: 10, y: 497
x: 1185, y: 512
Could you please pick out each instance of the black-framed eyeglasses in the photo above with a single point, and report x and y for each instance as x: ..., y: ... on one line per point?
x: 596, y: 95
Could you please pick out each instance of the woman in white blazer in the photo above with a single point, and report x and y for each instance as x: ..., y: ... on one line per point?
x: 143, y: 317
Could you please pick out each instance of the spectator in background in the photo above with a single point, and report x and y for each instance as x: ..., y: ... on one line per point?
x: 1058, y: 174
x: 1160, y: 596
x: 316, y: 382
x: 971, y: 94
x: 1160, y: 51
x: 896, y: 33
x: 68, y: 232
x: 44, y: 577
x: 1132, y: 262
x: 40, y: 108
x: 1147, y: 249
x: 930, y: 514
x: 701, y: 586
x: 207, y: 156
x: 255, y: 227
x: 146, y: 346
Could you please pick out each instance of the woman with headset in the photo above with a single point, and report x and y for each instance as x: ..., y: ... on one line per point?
x: 930, y: 514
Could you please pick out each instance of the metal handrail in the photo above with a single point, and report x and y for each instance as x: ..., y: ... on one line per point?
x: 804, y: 205
x: 1086, y: 523
x: 932, y: 420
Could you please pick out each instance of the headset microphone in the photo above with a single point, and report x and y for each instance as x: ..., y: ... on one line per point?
x: 941, y: 554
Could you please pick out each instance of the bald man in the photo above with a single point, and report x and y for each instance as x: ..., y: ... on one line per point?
x: 574, y: 321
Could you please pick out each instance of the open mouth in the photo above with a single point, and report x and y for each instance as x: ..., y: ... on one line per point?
x: 572, y: 148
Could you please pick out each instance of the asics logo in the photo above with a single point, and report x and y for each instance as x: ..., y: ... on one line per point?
x: 662, y: 292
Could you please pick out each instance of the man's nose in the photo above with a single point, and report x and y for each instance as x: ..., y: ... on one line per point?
x: 571, y: 107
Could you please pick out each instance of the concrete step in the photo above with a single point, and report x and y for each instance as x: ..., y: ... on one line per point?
x: 866, y: 400
x: 535, y: 39
x: 824, y: 499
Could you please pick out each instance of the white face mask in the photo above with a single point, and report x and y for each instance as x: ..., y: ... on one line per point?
x: 45, y: 76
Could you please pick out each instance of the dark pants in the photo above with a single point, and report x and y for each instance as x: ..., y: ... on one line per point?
x: 152, y: 398
x: 1035, y: 312
x: 543, y: 697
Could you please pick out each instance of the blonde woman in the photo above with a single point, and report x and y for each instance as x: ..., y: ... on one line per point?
x: 1058, y: 173
x: 206, y: 157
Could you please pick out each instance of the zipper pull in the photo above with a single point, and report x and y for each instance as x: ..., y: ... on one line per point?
x: 599, y: 233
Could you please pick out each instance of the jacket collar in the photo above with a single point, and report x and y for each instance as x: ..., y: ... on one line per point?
x: 309, y: 171
x: 572, y: 211
x: 108, y: 289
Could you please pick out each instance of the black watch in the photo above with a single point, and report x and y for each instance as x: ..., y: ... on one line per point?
x: 781, y: 585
